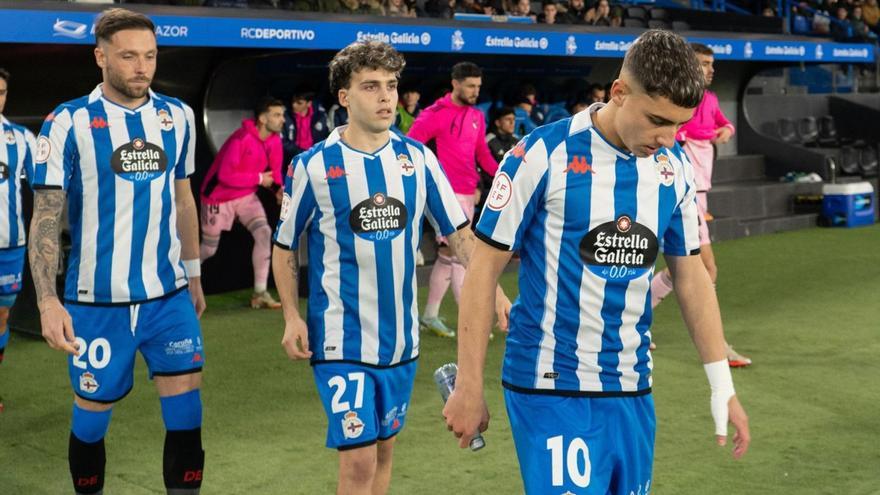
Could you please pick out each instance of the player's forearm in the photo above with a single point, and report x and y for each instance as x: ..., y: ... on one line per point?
x: 476, y: 313
x: 44, y: 246
x: 699, y: 309
x: 462, y: 244
x: 285, y: 268
x: 187, y: 223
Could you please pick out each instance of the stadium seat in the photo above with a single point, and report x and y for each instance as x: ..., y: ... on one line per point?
x: 801, y: 25
x: 658, y: 24
x: 680, y: 26
x: 636, y: 13
x: 868, y: 161
x: 828, y: 135
x: 808, y: 130
x: 848, y: 160
x: 659, y: 14
x: 787, y: 130
x: 636, y: 23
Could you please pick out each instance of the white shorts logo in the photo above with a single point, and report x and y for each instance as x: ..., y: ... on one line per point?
x: 499, y: 195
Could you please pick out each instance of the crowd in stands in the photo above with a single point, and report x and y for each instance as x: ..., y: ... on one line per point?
x: 842, y: 20
x: 583, y: 12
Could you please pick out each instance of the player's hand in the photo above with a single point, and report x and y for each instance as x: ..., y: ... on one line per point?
x: 502, y: 311
x: 197, y: 296
x: 296, y: 339
x: 466, y: 414
x: 722, y: 135
x: 266, y: 179
x: 742, y: 438
x: 57, y: 326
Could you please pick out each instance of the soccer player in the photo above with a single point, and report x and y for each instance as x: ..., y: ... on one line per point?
x: 458, y: 130
x: 588, y: 202
x: 361, y: 195
x: 120, y: 157
x: 249, y: 159
x: 707, y: 127
x: 16, y: 160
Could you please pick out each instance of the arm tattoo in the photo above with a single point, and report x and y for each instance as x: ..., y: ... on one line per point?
x: 293, y: 264
x: 462, y: 245
x: 44, y: 249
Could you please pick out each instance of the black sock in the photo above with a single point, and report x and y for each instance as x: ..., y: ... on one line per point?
x: 87, y: 462
x: 183, y: 459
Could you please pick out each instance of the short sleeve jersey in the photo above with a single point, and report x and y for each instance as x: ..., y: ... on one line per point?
x: 363, y: 214
x: 588, y: 220
x: 16, y: 162
x: 118, y: 168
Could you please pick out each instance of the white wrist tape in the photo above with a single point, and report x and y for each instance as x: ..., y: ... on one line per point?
x: 193, y: 268
x: 721, y: 382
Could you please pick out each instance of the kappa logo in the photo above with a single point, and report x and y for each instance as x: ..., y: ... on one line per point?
x: 98, y: 123
x: 579, y: 165
x: 335, y: 172
x: 519, y: 151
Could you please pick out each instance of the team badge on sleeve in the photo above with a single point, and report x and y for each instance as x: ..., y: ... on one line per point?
x: 499, y: 195
x: 352, y: 426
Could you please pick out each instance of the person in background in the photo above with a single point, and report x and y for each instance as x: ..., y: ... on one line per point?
x: 549, y: 13
x: 525, y: 105
x: 597, y: 93
x: 576, y: 13
x: 305, y: 123
x: 407, y: 108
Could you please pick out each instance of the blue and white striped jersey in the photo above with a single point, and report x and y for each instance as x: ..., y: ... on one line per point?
x: 16, y: 162
x: 118, y: 168
x: 588, y: 220
x: 364, y: 215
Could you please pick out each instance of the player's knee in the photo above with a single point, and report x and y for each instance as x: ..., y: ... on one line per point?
x: 90, y: 426
x: 358, y: 466
x: 182, y: 411
x: 385, y: 451
x: 4, y: 317
x: 208, y: 246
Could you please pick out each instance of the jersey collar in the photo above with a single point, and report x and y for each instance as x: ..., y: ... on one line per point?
x: 98, y: 94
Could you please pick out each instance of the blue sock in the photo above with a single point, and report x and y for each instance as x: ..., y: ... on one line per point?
x: 182, y: 412
x: 90, y: 426
x: 4, y: 339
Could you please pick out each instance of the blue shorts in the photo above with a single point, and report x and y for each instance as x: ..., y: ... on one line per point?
x: 11, y: 267
x: 165, y: 330
x: 583, y: 445
x: 363, y: 404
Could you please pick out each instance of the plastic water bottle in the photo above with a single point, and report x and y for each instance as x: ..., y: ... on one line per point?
x: 444, y: 377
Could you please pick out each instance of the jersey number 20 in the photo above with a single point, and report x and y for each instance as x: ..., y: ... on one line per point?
x: 98, y: 346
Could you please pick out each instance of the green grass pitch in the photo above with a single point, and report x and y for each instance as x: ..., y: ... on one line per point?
x: 803, y: 305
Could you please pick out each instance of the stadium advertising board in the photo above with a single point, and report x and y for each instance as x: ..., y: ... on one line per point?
x: 47, y: 26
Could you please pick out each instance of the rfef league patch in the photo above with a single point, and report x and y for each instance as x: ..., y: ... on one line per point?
x: 665, y: 172
x: 352, y: 426
x: 619, y: 250
x: 44, y: 148
x: 499, y: 195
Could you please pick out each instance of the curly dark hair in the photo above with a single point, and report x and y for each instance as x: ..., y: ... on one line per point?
x: 663, y: 64
x: 361, y: 55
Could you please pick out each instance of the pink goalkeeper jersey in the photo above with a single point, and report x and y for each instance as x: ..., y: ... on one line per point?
x: 707, y: 118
